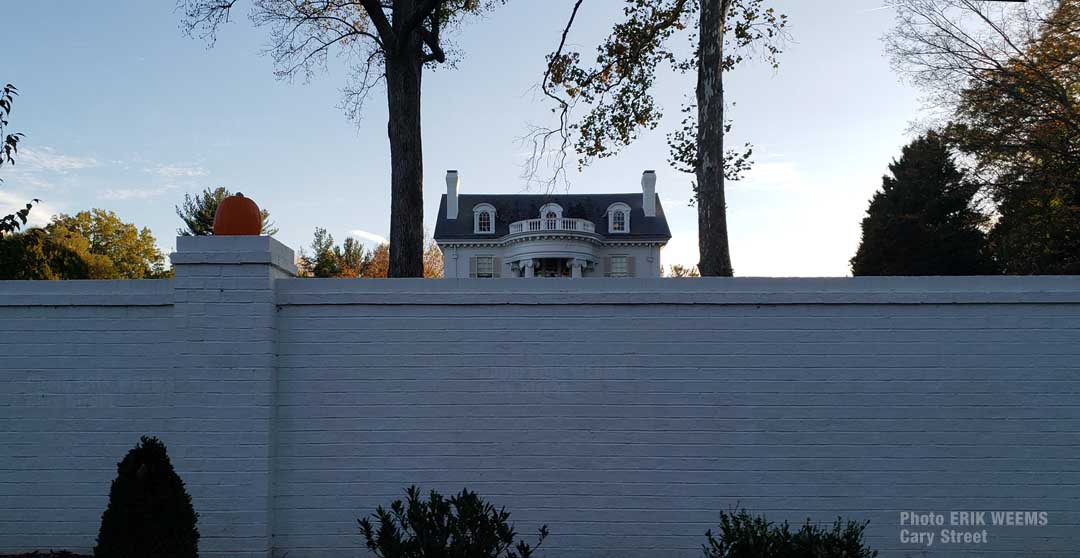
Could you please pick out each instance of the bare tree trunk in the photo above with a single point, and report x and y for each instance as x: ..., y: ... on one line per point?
x: 403, y: 73
x: 712, y: 208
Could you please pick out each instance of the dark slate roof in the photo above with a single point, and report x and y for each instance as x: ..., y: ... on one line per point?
x: 510, y: 208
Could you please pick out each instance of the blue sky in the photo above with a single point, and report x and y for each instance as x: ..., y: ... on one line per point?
x: 121, y: 111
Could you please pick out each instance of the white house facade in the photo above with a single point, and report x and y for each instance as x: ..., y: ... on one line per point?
x: 548, y: 235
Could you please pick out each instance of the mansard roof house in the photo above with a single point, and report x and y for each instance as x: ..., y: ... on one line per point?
x: 551, y: 235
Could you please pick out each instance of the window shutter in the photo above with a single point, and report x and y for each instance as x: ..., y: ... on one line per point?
x: 607, y: 266
x: 472, y: 267
x: 630, y: 272
x: 496, y: 267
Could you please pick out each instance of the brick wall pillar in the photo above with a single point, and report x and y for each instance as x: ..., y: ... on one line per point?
x: 225, y: 377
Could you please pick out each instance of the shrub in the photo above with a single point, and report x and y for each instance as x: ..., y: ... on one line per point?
x: 465, y: 526
x: 744, y: 536
x: 149, y: 513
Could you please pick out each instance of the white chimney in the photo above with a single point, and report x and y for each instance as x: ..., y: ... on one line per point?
x: 451, y: 194
x: 648, y: 193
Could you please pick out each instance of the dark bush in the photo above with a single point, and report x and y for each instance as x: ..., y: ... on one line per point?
x: 149, y: 514
x: 744, y: 536
x: 465, y: 526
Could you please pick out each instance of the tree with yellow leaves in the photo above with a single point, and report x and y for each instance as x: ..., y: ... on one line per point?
x: 1007, y: 79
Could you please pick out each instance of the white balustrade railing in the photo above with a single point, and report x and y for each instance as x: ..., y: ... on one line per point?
x: 557, y: 224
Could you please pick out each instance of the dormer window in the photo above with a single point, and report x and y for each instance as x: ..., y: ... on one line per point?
x: 618, y: 218
x: 484, y: 219
x: 550, y: 213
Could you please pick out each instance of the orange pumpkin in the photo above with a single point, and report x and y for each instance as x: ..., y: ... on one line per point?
x: 237, y: 215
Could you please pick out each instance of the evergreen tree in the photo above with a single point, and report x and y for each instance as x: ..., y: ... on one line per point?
x: 150, y: 514
x: 198, y: 211
x: 323, y: 261
x: 923, y: 220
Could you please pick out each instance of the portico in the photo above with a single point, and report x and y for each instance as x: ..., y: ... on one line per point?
x: 549, y: 267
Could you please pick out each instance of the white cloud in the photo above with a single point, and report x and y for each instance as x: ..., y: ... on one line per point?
x: 135, y: 193
x: 39, y: 216
x: 48, y: 159
x: 369, y: 236
x: 178, y: 170
x: 26, y: 181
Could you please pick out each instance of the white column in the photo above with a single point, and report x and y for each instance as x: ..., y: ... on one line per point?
x: 450, y: 264
x: 224, y: 311
x: 528, y: 265
x: 576, y: 267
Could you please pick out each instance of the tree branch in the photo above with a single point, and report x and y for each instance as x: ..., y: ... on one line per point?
x: 558, y: 51
x: 629, y: 55
x: 382, y: 25
x: 207, y: 14
x: 432, y: 42
x: 540, y: 137
x: 425, y: 9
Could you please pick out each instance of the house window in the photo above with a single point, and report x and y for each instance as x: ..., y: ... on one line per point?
x: 485, y: 267
x: 619, y: 266
x: 484, y: 219
x: 618, y: 221
x: 618, y: 218
x: 551, y: 211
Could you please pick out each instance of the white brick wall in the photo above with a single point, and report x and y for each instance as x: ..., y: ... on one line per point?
x: 623, y: 413
x: 84, y: 370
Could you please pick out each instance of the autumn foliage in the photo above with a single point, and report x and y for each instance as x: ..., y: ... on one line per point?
x: 352, y: 260
x: 1006, y: 77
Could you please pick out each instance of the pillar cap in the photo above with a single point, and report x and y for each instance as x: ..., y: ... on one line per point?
x: 233, y: 250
